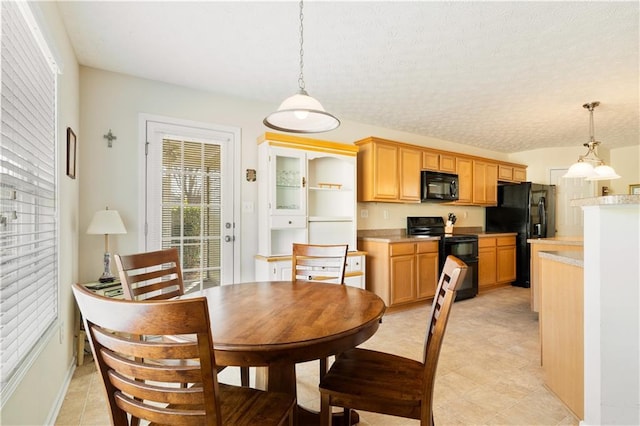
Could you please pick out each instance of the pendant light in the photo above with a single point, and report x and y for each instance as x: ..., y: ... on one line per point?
x: 301, y: 113
x: 590, y: 166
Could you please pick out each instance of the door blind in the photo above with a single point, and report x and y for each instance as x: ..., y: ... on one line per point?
x: 28, y: 217
x: 191, y: 202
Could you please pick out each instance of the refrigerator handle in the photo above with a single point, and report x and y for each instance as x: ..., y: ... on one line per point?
x: 542, y: 213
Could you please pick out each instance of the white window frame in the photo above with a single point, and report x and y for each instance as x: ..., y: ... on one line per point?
x: 27, y: 357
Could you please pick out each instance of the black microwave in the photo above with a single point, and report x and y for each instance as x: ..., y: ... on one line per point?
x: 438, y: 186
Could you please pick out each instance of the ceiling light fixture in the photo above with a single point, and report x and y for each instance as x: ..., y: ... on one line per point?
x: 301, y: 113
x: 590, y: 166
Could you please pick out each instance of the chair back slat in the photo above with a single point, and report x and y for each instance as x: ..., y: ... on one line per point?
x: 152, y: 275
x: 317, y: 262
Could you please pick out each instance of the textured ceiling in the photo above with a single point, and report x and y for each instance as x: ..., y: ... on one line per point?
x: 506, y: 76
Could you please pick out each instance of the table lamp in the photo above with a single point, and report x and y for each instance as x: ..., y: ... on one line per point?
x: 106, y: 222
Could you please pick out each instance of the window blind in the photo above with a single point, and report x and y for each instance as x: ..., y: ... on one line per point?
x: 28, y: 216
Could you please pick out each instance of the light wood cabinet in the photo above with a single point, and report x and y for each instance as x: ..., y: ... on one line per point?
x: 508, y: 173
x: 496, y: 261
x: 388, y: 172
x: 437, y: 161
x: 464, y: 169
x: 401, y: 272
x: 409, y: 168
x: 485, y: 183
x: 542, y: 244
x: 561, y: 322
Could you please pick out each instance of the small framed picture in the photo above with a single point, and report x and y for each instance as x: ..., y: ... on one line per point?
x: 634, y: 189
x: 71, y: 153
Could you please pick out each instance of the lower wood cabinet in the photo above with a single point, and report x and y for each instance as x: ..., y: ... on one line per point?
x: 401, y: 272
x: 496, y: 261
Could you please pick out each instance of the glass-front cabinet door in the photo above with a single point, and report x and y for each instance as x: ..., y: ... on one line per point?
x: 288, y: 173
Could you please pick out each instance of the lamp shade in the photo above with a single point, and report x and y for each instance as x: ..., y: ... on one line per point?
x: 581, y: 169
x: 106, y: 222
x: 603, y: 172
x: 301, y: 113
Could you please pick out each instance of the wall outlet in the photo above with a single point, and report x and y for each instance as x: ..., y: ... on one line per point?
x: 385, y: 214
x: 364, y: 213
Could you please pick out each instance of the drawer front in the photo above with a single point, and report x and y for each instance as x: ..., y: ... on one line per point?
x: 506, y: 241
x: 284, y: 222
x: 427, y: 247
x: 399, y: 249
x: 486, y: 242
x: 354, y: 263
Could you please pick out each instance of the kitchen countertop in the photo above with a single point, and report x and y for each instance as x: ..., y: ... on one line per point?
x: 400, y: 235
x: 575, y: 258
x: 565, y: 241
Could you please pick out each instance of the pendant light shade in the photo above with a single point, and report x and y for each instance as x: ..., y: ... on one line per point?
x: 590, y: 166
x: 301, y: 113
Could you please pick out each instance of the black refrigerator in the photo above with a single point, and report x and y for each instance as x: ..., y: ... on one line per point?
x: 528, y: 209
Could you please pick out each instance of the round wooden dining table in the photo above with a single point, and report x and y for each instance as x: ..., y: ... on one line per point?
x: 280, y: 323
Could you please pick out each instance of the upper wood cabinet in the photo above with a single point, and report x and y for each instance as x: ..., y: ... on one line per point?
x: 409, y: 168
x: 510, y: 173
x: 437, y: 161
x: 485, y: 183
x: 388, y: 171
x: 464, y: 168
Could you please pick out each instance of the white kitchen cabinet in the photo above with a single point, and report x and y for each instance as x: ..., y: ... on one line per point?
x: 306, y: 194
x: 279, y: 268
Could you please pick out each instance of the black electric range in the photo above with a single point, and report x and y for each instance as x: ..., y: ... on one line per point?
x: 463, y: 246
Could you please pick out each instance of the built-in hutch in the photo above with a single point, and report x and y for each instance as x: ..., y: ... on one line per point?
x: 306, y: 194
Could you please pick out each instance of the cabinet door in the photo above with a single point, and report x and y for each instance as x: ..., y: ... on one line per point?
x: 402, y: 275
x: 430, y: 160
x: 385, y: 172
x: 519, y: 174
x: 447, y: 163
x: 464, y: 168
x: 486, y: 266
x: 427, y: 274
x: 491, y: 184
x: 506, y: 261
x: 289, y: 181
x: 410, y: 164
x: 485, y: 182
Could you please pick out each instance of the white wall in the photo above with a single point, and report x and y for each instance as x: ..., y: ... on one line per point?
x: 37, y: 396
x: 109, y: 176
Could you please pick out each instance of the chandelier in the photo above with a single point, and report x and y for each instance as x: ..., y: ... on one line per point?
x: 590, y: 166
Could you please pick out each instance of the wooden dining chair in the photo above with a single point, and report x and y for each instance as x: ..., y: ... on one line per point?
x: 156, y: 275
x: 142, y: 377
x: 319, y: 262
x: 390, y: 384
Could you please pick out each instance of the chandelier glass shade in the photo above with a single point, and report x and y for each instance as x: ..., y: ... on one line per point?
x: 301, y: 113
x: 590, y: 166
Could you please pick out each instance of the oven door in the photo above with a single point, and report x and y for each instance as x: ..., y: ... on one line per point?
x: 469, y: 287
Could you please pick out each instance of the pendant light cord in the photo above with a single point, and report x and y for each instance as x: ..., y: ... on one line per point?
x: 301, y: 77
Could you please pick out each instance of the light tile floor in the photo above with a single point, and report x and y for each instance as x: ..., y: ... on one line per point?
x: 488, y: 374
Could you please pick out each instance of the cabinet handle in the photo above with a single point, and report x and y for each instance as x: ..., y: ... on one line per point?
x: 290, y: 222
x: 304, y: 181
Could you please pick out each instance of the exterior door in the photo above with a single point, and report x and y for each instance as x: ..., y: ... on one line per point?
x: 189, y: 202
x: 569, y: 220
